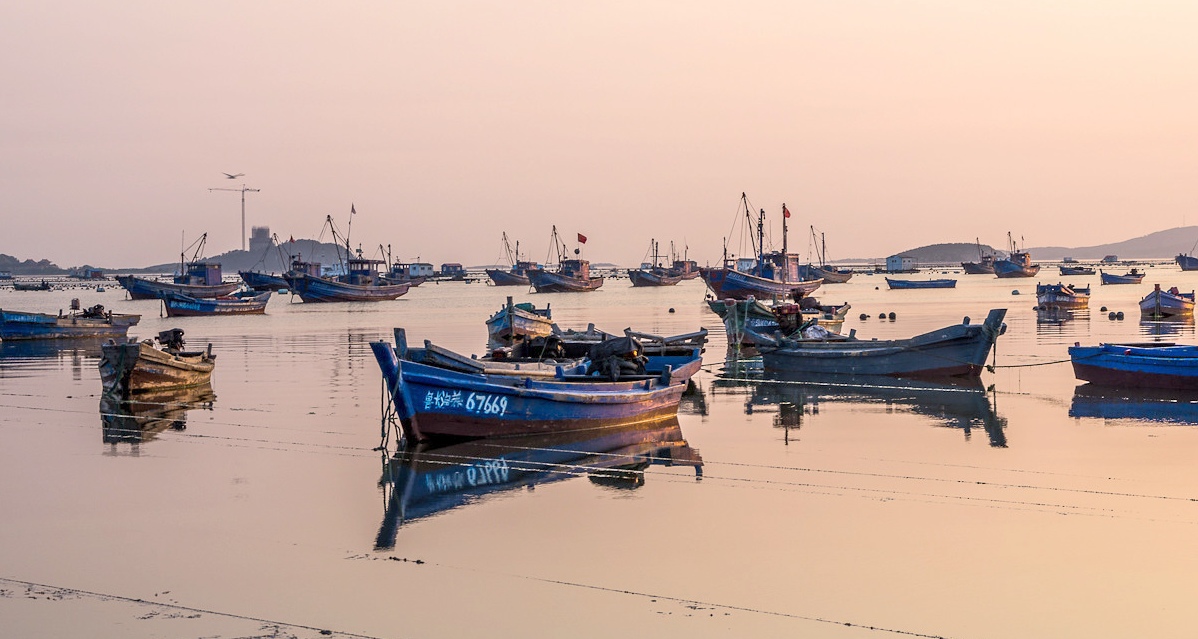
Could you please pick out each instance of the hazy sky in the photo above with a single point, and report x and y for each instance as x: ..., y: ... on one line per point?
x: 887, y: 125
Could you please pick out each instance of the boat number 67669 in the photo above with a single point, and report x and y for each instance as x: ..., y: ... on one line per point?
x: 486, y: 404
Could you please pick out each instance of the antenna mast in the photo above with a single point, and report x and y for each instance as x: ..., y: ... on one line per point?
x: 243, y: 190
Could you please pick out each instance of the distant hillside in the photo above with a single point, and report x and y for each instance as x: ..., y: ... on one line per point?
x: 270, y: 261
x: 1159, y: 245
x: 948, y: 253
x: 29, y: 267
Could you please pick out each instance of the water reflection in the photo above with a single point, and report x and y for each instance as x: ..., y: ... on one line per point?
x: 140, y: 418
x: 43, y: 348
x: 1062, y: 321
x: 1168, y: 327
x: 426, y: 481
x: 1168, y: 407
x: 963, y: 404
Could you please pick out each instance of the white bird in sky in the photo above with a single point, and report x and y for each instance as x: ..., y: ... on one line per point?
x: 232, y: 176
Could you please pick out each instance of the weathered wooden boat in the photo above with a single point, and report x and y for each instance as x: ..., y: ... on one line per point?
x: 179, y: 305
x: 93, y: 322
x: 196, y: 278
x: 1133, y: 276
x: 1168, y: 406
x: 259, y: 281
x: 31, y: 286
x: 571, y: 275
x: 823, y: 270
x: 491, y: 399
x: 984, y: 265
x: 905, y: 284
x: 361, y: 283
x: 654, y: 273
x: 518, y: 321
x: 688, y: 269
x: 1147, y: 365
x: 423, y: 480
x: 139, y: 418
x: 1076, y: 270
x: 137, y: 367
x: 767, y: 275
x: 958, y: 350
x: 1017, y: 264
x: 403, y: 273
x: 760, y: 319
x: 1160, y: 304
x: 1061, y: 297
x: 517, y: 275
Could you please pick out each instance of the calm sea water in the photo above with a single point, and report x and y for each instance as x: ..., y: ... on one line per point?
x: 1036, y: 508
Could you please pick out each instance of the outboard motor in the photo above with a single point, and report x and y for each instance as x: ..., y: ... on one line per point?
x: 171, y: 339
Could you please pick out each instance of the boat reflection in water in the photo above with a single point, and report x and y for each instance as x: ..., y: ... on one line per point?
x: 424, y: 481
x: 141, y: 418
x: 1142, y: 404
x: 1169, y: 326
x: 952, y: 402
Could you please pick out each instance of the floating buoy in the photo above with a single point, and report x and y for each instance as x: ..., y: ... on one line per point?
x: 864, y: 316
x: 892, y: 315
x: 1103, y: 309
x: 1119, y: 315
x: 671, y: 309
x: 881, y: 316
x: 1111, y: 315
x: 1015, y: 292
x: 875, y: 288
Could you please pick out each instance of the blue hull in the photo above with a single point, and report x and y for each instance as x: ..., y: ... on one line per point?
x: 1129, y: 278
x: 435, y: 402
x: 319, y: 289
x: 16, y: 325
x: 1187, y: 262
x: 263, y: 281
x: 640, y: 277
x: 1007, y: 268
x: 729, y: 283
x: 900, y: 284
x: 507, y: 278
x: 143, y: 289
x: 184, y: 306
x: 1137, y: 365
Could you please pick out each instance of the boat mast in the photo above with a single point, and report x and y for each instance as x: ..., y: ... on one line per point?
x: 784, y: 216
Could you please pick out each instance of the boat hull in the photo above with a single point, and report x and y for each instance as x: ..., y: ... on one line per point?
x: 184, y: 306
x: 828, y: 275
x: 1187, y: 262
x: 1007, y: 268
x: 649, y: 278
x: 507, y: 278
x: 512, y: 321
x: 313, y: 289
x: 1137, y: 365
x: 1058, y: 297
x: 139, y: 367
x: 1129, y: 278
x: 263, y: 281
x: 904, y: 284
x: 548, y: 282
x: 1162, y: 305
x: 142, y: 289
x: 16, y: 325
x: 953, y: 351
x: 1076, y: 270
x: 978, y: 268
x: 435, y: 402
x: 730, y: 283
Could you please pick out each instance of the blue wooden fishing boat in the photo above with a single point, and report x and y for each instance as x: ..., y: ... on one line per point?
x: 768, y: 275
x: 1187, y: 262
x: 654, y: 273
x: 1061, y: 297
x: 1133, y: 276
x: 422, y: 480
x: 904, y: 284
x: 1147, y: 365
x: 362, y: 283
x: 94, y: 322
x: 1076, y: 270
x: 259, y: 281
x: 984, y: 265
x: 1160, y: 304
x: 455, y: 396
x: 761, y: 319
x: 571, y: 276
x: 957, y: 350
x: 823, y: 271
x: 517, y: 275
x: 179, y: 305
x: 1017, y: 264
x: 196, y: 278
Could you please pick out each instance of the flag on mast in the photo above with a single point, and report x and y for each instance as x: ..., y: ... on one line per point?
x: 582, y: 239
x: 785, y: 211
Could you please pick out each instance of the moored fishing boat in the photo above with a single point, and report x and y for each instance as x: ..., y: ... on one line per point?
x: 1160, y: 304
x: 984, y: 265
x: 1017, y: 264
x: 760, y: 319
x: 196, y: 278
x: 136, y: 367
x: 1061, y: 297
x: 361, y: 281
x: 823, y: 270
x: 957, y: 350
x: 1134, y: 276
x: 1187, y: 262
x: 518, y: 321
x: 31, y: 286
x: 259, y: 281
x: 1148, y: 365
x: 571, y: 276
x: 1076, y: 270
x: 517, y: 275
x: 767, y: 275
x: 179, y: 305
x: 94, y: 322
x: 653, y: 273
x: 617, y: 385
x: 904, y: 284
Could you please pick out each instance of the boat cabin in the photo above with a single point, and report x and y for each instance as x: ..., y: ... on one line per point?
x: 452, y: 269
x: 580, y: 269
x: 1110, y: 259
x: 685, y: 267
x: 200, y: 274
x: 362, y: 271
x: 298, y: 265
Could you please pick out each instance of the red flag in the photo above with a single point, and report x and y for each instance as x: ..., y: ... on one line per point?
x: 292, y: 240
x: 785, y: 211
x: 582, y: 239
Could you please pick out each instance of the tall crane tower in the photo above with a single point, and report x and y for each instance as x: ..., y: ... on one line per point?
x: 243, y: 190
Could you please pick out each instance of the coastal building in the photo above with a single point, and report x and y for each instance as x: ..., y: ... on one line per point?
x: 900, y: 264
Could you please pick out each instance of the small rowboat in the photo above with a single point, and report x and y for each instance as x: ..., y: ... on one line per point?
x: 1061, y: 296
x: 523, y: 321
x: 903, y: 284
x: 1165, y: 304
x: 179, y: 305
x: 137, y: 367
x: 1076, y: 270
x: 1131, y: 277
x: 1150, y: 365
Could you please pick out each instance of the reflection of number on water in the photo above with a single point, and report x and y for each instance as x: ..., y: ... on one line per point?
x: 494, y: 471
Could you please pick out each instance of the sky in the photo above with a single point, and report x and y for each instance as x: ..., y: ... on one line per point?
x: 886, y: 125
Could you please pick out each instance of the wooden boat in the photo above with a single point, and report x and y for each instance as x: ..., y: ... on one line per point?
x: 263, y: 281
x: 517, y: 275
x: 196, y: 278
x: 654, y: 273
x: 1187, y: 262
x: 768, y: 275
x: 137, y: 419
x: 984, y: 265
x: 1151, y: 365
x: 93, y: 322
x: 571, y: 276
x: 423, y: 480
x: 137, y: 367
x: 1017, y: 264
x: 958, y: 350
x: 31, y: 286
x: 493, y: 400
x: 362, y: 283
x: 1076, y: 270
x: 1062, y: 297
x: 687, y: 268
x: 179, y: 305
x: 904, y: 284
x: 823, y: 270
x: 1133, y: 276
x: 1161, y: 304
x: 401, y: 273
x: 760, y: 319
x: 518, y: 321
